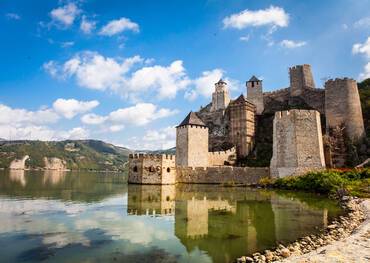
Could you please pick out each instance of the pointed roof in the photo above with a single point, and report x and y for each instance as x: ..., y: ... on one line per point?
x: 253, y: 79
x: 241, y: 98
x: 192, y: 119
x: 221, y: 81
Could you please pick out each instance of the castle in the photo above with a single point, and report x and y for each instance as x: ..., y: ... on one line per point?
x: 211, y: 142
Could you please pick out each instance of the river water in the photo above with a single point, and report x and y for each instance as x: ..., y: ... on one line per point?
x: 97, y: 217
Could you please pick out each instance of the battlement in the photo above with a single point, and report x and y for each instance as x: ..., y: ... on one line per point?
x: 295, y: 113
x: 192, y: 126
x: 142, y: 156
x: 229, y: 151
x: 296, y: 67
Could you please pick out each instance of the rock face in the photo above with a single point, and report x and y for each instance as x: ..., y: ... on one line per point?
x: 19, y: 164
x: 53, y: 163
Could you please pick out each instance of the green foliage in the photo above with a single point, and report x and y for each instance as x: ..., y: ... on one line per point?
x: 364, y: 90
x: 328, y: 182
x: 79, y: 154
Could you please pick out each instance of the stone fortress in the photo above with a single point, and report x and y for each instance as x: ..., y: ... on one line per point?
x: 213, y: 143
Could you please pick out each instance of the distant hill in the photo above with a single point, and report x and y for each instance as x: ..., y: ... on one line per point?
x: 79, y: 154
x: 166, y: 151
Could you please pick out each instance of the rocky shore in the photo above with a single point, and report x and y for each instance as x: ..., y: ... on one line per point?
x: 313, y: 248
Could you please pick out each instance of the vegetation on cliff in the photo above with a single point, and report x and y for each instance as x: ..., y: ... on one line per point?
x: 364, y: 89
x: 355, y: 182
x: 78, y: 154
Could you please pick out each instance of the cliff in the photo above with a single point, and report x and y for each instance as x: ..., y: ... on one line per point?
x: 75, y: 154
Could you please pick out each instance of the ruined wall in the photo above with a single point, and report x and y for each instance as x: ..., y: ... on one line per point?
x: 151, y: 169
x: 219, y: 158
x: 255, y: 95
x: 242, y: 126
x: 221, y: 175
x: 192, y: 146
x: 19, y: 164
x: 53, y: 163
x: 343, y: 107
x: 300, y: 79
x: 297, y: 143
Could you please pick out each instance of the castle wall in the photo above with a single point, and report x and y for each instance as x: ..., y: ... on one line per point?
x: 300, y: 79
x: 192, y: 146
x: 53, y: 163
x: 343, y: 107
x: 297, y: 143
x: 221, y: 175
x: 152, y: 169
x: 219, y: 158
x: 242, y: 126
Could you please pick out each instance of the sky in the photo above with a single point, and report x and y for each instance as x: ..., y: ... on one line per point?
x: 127, y: 72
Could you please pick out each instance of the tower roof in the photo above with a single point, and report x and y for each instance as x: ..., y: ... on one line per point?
x: 192, y: 119
x: 241, y: 98
x: 253, y: 78
x: 221, y: 81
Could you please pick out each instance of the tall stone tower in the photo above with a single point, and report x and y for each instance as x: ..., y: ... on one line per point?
x: 297, y: 143
x: 343, y: 107
x: 220, y: 98
x: 192, y: 142
x: 300, y: 79
x: 255, y: 94
x: 242, y: 125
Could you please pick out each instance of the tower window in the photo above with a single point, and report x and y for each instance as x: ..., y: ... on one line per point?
x: 252, y: 84
x: 151, y: 169
x: 168, y: 169
x: 134, y: 169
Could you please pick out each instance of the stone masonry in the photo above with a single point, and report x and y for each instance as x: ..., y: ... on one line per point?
x: 220, y: 98
x: 297, y: 143
x: 300, y: 78
x: 342, y: 107
x: 255, y: 94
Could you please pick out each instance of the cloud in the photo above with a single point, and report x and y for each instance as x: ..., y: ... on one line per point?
x: 139, y: 114
x: 161, y: 139
x: 115, y: 27
x: 67, y: 44
x: 364, y: 48
x: 292, y: 44
x: 363, y: 22
x: 77, y: 133
x: 366, y: 73
x: 245, y: 38
x: 272, y: 16
x: 93, y: 119
x: 13, y: 16
x: 87, y: 26
x: 69, y: 108
x: 65, y: 15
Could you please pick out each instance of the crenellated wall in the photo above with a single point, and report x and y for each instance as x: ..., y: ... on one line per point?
x: 221, y: 175
x: 219, y: 158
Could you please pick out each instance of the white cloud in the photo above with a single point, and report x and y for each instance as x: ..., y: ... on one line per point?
x: 69, y: 108
x: 366, y: 73
x: 363, y: 22
x: 161, y: 139
x: 93, y: 119
x: 66, y: 14
x: 272, y: 16
x: 67, y: 44
x: 77, y: 133
x: 364, y: 48
x: 51, y: 67
x: 292, y: 44
x: 118, y: 26
x: 87, y: 26
x: 13, y: 16
x: 116, y: 128
x: 245, y: 38
x: 139, y: 114
x: 166, y: 80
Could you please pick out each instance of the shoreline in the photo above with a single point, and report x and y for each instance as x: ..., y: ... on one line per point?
x: 327, y: 245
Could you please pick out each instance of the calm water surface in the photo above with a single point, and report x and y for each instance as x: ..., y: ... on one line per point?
x: 97, y: 217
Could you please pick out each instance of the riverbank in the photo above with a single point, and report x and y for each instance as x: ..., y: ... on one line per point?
x: 329, y: 242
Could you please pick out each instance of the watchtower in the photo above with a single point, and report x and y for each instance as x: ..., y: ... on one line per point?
x: 220, y: 98
x: 300, y: 78
x: 192, y: 142
x: 255, y: 93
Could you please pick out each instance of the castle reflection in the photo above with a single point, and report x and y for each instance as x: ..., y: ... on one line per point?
x: 225, y: 221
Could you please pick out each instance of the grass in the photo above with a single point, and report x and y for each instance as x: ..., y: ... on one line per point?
x: 331, y: 182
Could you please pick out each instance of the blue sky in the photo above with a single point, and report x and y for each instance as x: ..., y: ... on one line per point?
x: 127, y: 72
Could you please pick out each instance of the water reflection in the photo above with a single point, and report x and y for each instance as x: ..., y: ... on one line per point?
x: 94, y: 217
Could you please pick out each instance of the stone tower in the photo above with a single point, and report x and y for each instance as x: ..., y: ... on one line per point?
x: 220, y: 98
x: 343, y: 107
x: 192, y: 142
x: 255, y: 94
x: 297, y: 143
x: 300, y: 78
x: 242, y: 125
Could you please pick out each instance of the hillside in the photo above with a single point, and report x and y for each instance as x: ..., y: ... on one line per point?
x: 78, y: 154
x: 364, y: 89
